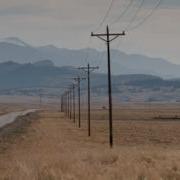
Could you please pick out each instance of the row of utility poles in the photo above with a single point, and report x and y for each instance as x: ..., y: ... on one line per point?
x: 88, y: 70
x: 68, y: 98
x: 68, y: 104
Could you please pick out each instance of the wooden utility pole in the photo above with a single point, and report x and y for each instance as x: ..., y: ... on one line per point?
x: 74, y: 103
x: 108, y: 38
x: 78, y: 79
x: 70, y: 103
x: 61, y: 102
x: 40, y: 98
x: 88, y: 70
x: 66, y: 102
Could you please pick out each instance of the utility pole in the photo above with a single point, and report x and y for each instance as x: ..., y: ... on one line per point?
x: 74, y: 103
x: 66, y: 102
x: 70, y: 103
x: 40, y: 98
x: 108, y: 38
x: 88, y: 70
x: 78, y: 79
x: 61, y: 101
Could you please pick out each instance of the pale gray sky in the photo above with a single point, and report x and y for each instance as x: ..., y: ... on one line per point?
x: 68, y: 23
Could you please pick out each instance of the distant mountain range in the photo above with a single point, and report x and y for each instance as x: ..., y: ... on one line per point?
x: 16, y: 50
x: 38, y: 74
x: 46, y: 74
x: 44, y: 77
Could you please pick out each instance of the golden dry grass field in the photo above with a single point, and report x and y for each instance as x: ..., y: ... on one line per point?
x: 52, y: 147
x: 6, y: 108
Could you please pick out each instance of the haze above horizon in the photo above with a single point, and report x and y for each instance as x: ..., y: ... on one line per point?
x: 68, y: 24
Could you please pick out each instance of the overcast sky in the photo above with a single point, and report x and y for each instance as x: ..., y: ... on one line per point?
x: 68, y: 23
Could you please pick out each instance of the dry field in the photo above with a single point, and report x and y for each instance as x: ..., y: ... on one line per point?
x: 7, y: 108
x: 54, y: 148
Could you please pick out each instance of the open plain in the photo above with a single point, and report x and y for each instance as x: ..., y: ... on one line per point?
x: 52, y: 147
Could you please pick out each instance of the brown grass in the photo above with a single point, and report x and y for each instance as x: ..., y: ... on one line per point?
x: 54, y: 148
x: 7, y: 108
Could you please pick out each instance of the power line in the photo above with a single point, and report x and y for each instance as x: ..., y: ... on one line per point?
x: 143, y: 20
x: 135, y: 15
x: 105, y: 16
x: 123, y: 13
x: 132, y: 20
x: 98, y: 27
x: 147, y: 17
x: 87, y: 50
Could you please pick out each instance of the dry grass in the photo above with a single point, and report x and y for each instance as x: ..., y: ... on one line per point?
x: 6, y: 108
x: 54, y: 148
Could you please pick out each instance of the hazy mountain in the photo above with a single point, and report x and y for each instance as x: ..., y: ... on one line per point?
x: 44, y: 76
x: 14, y: 49
x: 43, y: 73
x: 44, y: 63
x: 15, y: 41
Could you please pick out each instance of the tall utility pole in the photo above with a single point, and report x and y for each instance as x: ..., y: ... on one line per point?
x: 65, y: 104
x: 70, y: 103
x: 62, y: 103
x: 74, y: 103
x: 66, y: 97
x: 40, y: 98
x: 64, y: 100
x: 88, y: 70
x: 108, y: 38
x: 78, y: 79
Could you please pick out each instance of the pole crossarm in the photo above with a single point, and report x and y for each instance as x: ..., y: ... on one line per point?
x: 90, y: 68
x: 116, y: 35
x: 78, y: 79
